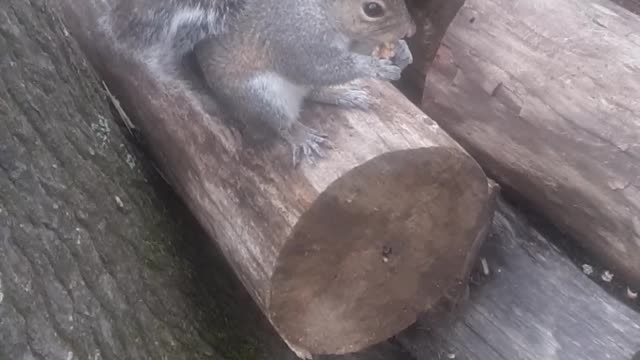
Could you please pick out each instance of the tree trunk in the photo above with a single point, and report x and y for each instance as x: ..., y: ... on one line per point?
x: 544, y: 94
x: 92, y: 263
x: 339, y: 255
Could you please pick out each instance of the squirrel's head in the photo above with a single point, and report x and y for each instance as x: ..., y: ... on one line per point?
x: 382, y: 21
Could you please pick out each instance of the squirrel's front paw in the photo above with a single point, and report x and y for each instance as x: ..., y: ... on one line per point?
x: 387, y: 70
x: 348, y: 96
x: 403, y: 56
x: 354, y: 97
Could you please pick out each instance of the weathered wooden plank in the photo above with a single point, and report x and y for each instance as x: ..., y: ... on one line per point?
x: 544, y: 94
x: 535, y: 304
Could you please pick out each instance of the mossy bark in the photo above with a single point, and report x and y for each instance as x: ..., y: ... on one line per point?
x: 97, y: 258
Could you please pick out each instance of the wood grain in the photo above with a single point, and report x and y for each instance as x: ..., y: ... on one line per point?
x: 544, y: 94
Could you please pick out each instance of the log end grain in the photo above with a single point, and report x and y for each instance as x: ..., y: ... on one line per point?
x: 378, y: 247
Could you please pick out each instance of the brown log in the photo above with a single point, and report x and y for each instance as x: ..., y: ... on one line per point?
x: 544, y: 94
x: 339, y: 255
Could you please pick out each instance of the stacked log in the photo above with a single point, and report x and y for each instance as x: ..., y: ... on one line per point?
x: 544, y: 94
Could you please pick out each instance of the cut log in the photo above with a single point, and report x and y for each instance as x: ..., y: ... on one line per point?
x: 544, y: 94
x: 535, y: 304
x: 339, y: 255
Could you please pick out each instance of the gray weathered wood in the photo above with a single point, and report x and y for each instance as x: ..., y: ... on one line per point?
x: 534, y: 305
x: 544, y: 94
x: 339, y: 255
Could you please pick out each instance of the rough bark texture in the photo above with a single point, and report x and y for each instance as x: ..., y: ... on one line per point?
x: 93, y: 265
x: 535, y: 304
x: 544, y: 94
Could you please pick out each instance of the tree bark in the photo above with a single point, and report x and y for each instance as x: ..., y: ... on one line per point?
x: 339, y: 255
x: 544, y: 94
x: 93, y: 264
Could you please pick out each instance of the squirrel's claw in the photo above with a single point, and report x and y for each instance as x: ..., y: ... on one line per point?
x: 306, y: 143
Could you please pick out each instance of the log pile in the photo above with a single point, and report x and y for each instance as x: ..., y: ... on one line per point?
x: 346, y: 253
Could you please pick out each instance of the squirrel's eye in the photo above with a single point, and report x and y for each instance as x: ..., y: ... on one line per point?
x: 373, y: 9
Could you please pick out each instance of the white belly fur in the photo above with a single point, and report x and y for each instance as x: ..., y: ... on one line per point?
x: 281, y: 92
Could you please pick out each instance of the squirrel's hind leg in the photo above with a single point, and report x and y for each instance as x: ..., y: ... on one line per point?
x: 272, y: 99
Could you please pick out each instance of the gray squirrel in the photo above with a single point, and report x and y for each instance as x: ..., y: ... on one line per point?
x: 262, y: 59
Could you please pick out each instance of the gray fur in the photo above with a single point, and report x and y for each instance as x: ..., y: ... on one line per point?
x: 162, y: 31
x: 277, y: 53
x: 263, y: 58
